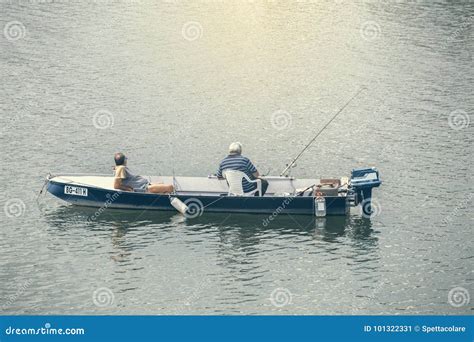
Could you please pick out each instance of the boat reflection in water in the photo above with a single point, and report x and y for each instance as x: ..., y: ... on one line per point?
x: 151, y: 226
x: 211, y: 264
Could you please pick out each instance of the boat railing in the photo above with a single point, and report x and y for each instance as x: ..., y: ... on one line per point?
x: 81, y: 174
x: 265, y: 177
x: 78, y: 174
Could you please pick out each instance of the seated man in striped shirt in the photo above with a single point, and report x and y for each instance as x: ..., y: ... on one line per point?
x: 235, y: 161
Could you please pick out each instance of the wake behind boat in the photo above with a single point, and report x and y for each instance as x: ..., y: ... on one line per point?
x: 285, y: 195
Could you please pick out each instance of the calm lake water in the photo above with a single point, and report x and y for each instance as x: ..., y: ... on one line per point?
x: 172, y: 83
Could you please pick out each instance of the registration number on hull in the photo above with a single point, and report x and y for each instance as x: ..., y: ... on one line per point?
x: 75, y: 191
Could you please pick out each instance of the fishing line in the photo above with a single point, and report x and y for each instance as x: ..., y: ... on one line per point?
x: 320, y: 131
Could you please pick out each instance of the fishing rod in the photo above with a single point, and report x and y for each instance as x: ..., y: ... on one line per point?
x: 320, y: 131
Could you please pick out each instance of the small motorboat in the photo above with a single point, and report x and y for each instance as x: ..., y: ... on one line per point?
x: 196, y: 195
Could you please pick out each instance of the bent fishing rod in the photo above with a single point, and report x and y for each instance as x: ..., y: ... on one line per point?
x: 290, y: 165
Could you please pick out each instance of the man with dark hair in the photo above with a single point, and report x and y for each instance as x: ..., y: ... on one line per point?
x: 126, y: 181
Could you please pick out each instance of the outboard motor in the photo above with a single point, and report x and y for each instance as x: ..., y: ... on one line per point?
x: 362, y: 182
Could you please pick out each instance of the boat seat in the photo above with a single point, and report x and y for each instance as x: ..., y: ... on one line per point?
x: 234, y: 179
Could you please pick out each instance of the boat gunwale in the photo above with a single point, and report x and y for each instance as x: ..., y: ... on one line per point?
x: 222, y: 194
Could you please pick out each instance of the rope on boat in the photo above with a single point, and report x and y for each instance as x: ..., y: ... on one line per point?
x: 46, y: 181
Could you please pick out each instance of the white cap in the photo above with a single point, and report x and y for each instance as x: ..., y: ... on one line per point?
x: 235, y: 148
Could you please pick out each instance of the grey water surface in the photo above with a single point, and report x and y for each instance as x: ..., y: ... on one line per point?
x: 171, y: 84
